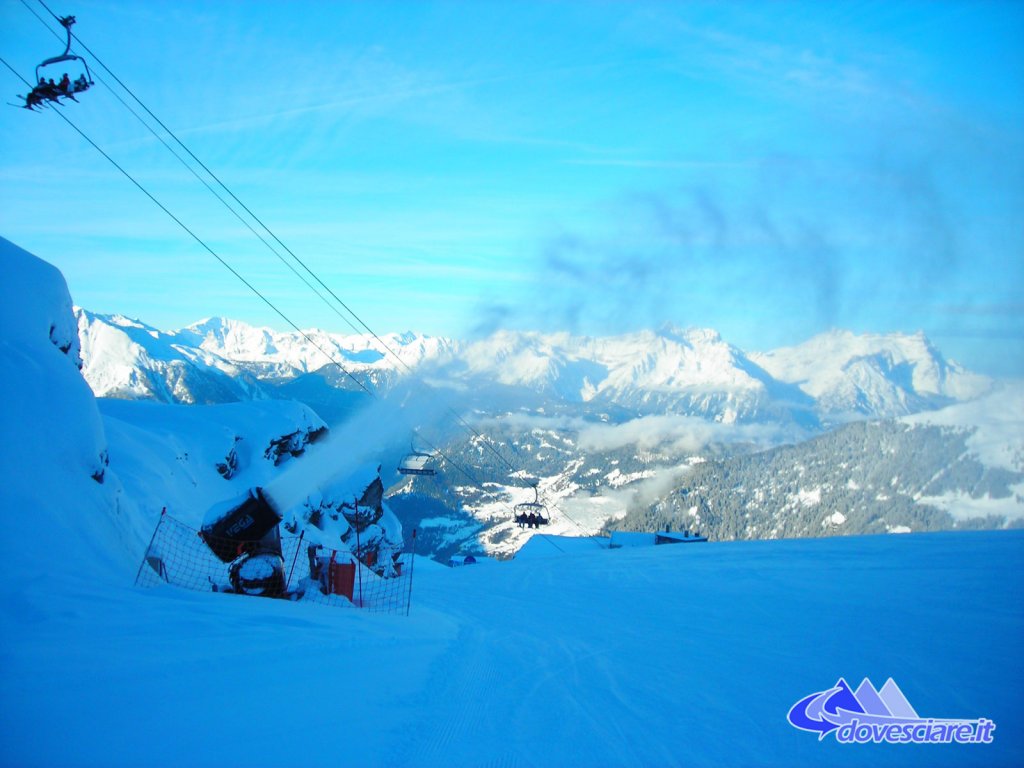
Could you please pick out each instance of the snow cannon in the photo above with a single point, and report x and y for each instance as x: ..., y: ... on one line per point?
x: 238, y: 527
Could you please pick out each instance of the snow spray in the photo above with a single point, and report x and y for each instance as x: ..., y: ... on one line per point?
x: 353, y: 452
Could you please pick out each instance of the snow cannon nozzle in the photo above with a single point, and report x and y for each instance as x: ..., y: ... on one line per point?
x: 270, y: 501
x: 240, y: 524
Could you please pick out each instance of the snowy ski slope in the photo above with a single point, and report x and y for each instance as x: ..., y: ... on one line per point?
x: 638, y: 657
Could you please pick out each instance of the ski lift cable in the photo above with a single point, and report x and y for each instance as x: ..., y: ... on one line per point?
x: 224, y: 186
x: 41, y: 19
x: 16, y: 73
x: 212, y: 252
x: 206, y: 184
x: 229, y: 207
x: 217, y: 180
x: 485, y: 441
x: 215, y: 194
x: 474, y: 480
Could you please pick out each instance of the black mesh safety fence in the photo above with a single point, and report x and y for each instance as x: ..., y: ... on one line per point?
x: 285, y: 567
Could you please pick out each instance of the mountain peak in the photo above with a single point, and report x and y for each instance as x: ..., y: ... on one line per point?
x: 872, y: 373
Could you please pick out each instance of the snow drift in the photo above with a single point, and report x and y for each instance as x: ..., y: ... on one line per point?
x: 59, y: 500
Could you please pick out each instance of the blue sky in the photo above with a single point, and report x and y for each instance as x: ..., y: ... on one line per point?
x: 771, y: 170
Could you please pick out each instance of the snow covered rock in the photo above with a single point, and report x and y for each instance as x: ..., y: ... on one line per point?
x: 59, y: 503
x: 188, y: 457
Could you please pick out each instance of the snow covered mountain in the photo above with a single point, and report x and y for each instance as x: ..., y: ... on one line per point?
x: 283, y: 355
x: 830, y: 379
x: 220, y: 361
x: 602, y: 425
x: 957, y: 467
x: 127, y: 359
x: 692, y: 371
x: 872, y: 375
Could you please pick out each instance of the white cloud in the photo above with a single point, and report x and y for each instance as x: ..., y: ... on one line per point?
x: 678, y: 433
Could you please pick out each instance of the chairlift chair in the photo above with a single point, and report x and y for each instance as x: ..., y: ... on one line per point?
x: 417, y: 463
x: 43, y: 91
x: 523, y: 510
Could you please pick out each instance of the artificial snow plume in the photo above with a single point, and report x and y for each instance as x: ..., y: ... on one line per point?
x: 330, y: 472
x: 372, y: 440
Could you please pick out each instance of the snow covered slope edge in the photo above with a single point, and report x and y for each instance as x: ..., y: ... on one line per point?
x: 58, y: 500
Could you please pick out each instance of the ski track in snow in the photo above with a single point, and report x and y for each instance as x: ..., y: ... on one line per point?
x: 659, y: 656
x: 539, y: 679
x: 692, y: 656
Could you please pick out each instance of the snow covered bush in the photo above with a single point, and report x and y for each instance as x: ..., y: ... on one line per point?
x: 350, y: 515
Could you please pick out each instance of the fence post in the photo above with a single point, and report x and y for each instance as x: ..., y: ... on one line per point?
x: 298, y: 548
x: 359, y: 562
x: 149, y: 546
x: 412, y: 567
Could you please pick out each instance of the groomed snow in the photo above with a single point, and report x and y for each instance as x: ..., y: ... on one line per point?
x: 637, y: 657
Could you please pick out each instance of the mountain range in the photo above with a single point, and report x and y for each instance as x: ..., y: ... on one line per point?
x: 830, y: 379
x: 668, y: 427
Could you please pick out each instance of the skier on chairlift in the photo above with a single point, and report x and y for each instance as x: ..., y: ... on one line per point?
x: 47, y: 90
